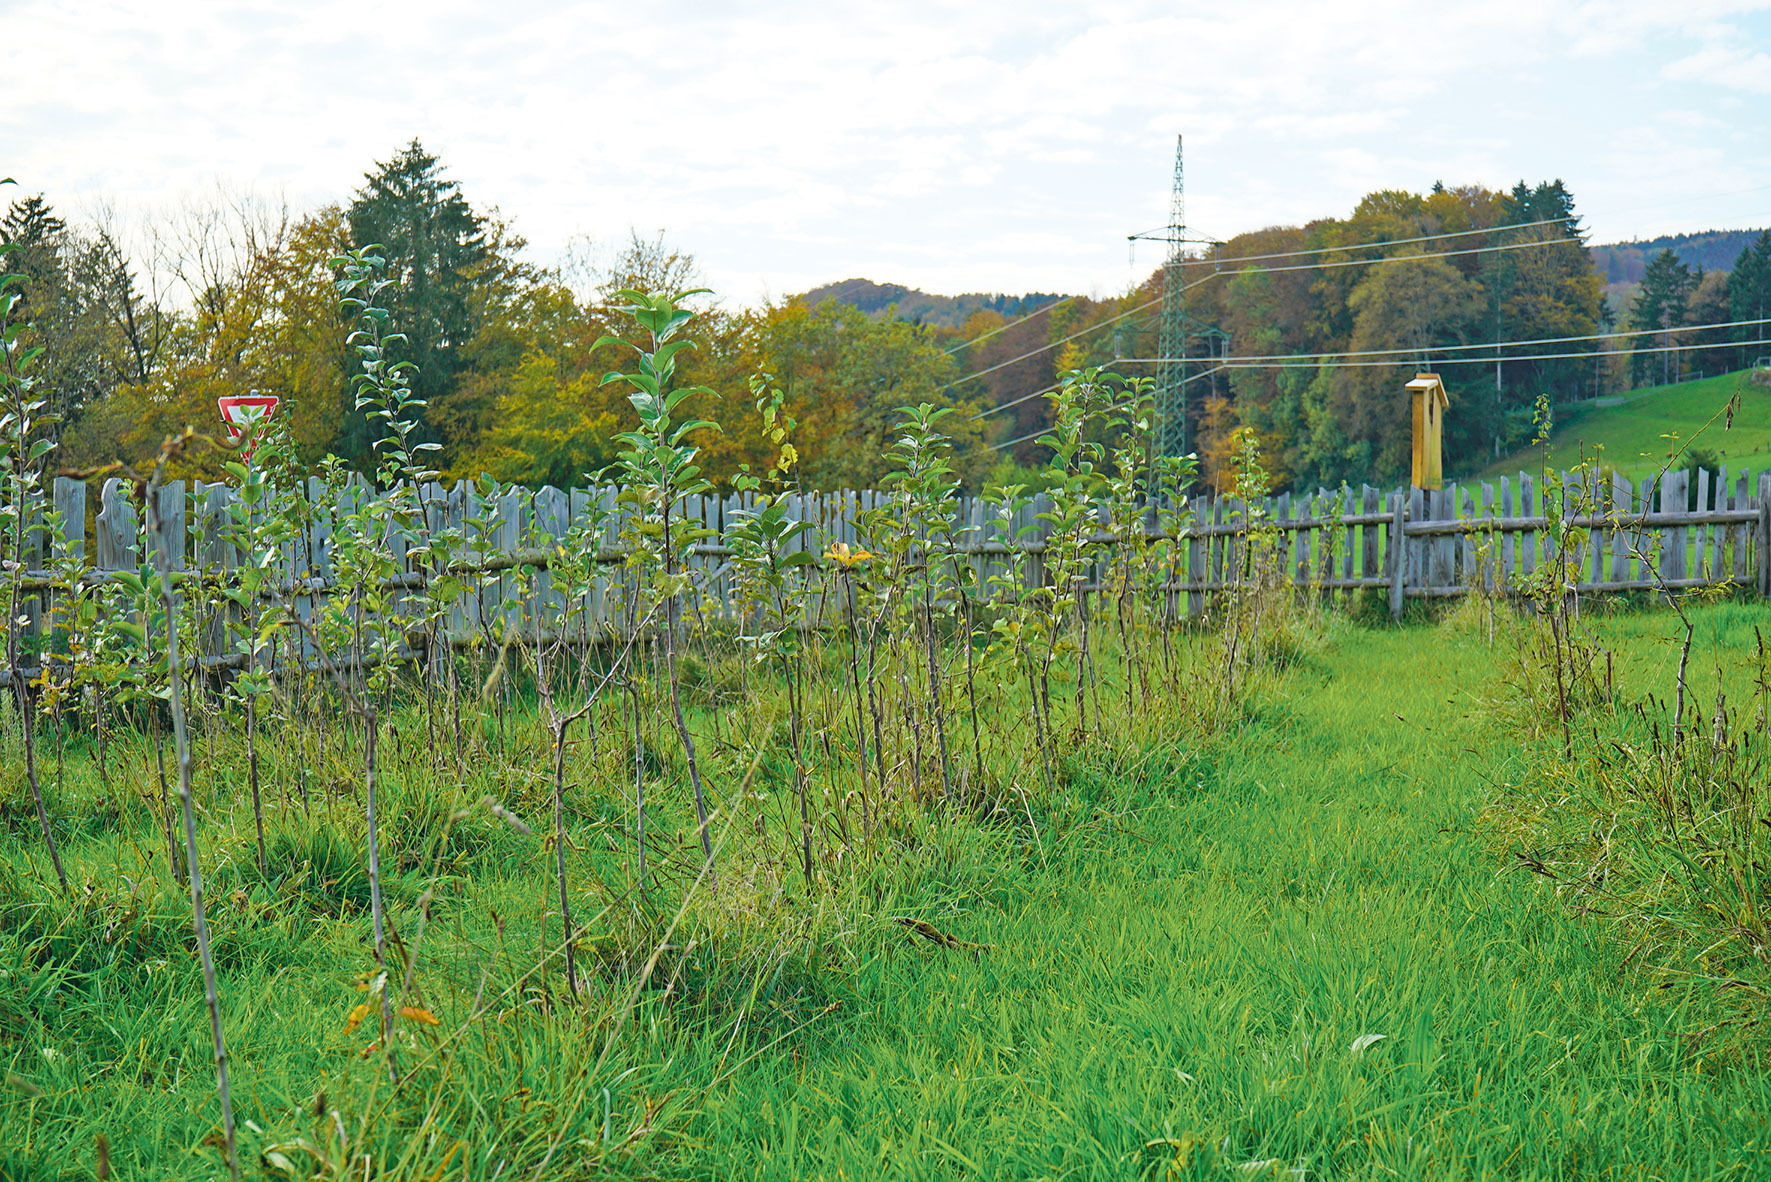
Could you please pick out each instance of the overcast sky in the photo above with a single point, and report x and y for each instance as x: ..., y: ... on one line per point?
x: 972, y: 146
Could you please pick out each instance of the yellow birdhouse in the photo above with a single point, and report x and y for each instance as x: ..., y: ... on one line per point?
x: 1430, y: 401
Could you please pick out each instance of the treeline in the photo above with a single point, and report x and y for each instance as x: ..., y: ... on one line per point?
x: 1674, y: 295
x: 239, y: 298
x: 1622, y: 263
x: 1486, y: 287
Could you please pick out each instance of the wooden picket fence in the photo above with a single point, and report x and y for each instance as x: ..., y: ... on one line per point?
x: 1406, y: 543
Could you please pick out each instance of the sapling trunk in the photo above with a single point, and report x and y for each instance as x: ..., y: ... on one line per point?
x: 639, y: 776
x: 22, y: 699
x: 795, y: 689
x: 172, y: 858
x: 971, y: 695
x: 559, y: 844
x: 936, y: 709
x: 855, y: 683
x: 182, y: 751
x: 672, y: 606
x: 252, y: 779
x: 371, y: 731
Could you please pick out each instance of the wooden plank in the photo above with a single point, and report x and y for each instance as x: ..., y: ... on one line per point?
x: 1396, y: 552
x: 166, y: 542
x: 1370, y: 564
x: 1509, y: 544
x: 1280, y: 511
x: 1623, y: 500
x: 1738, y: 535
x: 1763, y: 540
x: 1674, y: 497
x: 1700, y: 533
x: 1442, y: 550
x: 1491, y: 577
x: 1196, y: 572
x: 1599, y: 544
x: 70, y: 503
x: 1463, y: 508
x: 1346, y: 504
x: 1417, y: 551
x: 118, y: 541
x: 552, y: 518
x: 1528, y: 540
x: 1217, y: 549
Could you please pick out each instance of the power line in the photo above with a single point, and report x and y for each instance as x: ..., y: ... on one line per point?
x: 1282, y: 255
x: 1432, y: 350
x: 1058, y: 385
x: 1046, y: 348
x: 1048, y: 390
x: 1270, y: 362
x: 1292, y: 254
x: 1022, y: 439
x: 1401, y: 258
x: 1450, y: 361
x: 1441, y: 254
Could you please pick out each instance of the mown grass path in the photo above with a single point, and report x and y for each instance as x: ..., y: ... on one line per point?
x: 1198, y: 975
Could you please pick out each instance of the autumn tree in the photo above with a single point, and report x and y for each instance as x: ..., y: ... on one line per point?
x: 83, y: 306
x: 266, y: 321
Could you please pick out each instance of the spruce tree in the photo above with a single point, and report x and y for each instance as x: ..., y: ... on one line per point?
x: 1660, y: 303
x: 1749, y: 295
x: 437, y: 250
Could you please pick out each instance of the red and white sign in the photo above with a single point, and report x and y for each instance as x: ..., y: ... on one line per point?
x: 241, y: 411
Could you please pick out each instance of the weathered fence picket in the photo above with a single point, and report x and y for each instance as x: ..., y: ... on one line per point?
x: 1589, y: 530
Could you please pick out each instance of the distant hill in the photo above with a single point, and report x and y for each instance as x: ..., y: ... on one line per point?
x: 1621, y: 263
x: 908, y: 303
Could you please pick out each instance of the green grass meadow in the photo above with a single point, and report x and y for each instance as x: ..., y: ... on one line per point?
x: 1301, y: 951
x: 1303, y: 947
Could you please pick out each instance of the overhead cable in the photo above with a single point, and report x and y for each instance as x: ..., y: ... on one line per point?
x: 1434, y: 350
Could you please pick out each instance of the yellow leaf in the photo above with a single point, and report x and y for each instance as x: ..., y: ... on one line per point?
x: 847, y: 557
x: 356, y: 1017
x: 420, y: 1015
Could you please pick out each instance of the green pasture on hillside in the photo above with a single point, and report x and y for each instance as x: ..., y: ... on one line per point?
x: 1639, y: 436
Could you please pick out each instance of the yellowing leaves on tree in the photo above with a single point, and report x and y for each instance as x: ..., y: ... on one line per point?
x: 357, y: 1014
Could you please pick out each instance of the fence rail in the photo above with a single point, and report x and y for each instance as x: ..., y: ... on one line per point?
x: 1614, y: 536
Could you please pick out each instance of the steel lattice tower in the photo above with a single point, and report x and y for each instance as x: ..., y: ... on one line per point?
x: 1171, y: 349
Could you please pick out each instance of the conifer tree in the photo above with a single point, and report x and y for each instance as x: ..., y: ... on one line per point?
x: 437, y: 249
x: 1660, y: 303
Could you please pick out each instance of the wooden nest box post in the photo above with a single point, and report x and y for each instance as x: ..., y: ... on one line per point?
x: 1430, y: 401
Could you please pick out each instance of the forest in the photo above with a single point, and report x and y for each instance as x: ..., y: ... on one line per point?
x: 234, y: 297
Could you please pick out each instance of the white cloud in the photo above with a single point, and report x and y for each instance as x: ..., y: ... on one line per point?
x: 1732, y: 66
x: 955, y: 146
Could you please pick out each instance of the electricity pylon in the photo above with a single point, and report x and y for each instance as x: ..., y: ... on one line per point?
x: 1171, y: 346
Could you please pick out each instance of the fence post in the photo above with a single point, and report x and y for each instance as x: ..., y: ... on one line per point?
x: 1764, y: 532
x: 1398, y: 555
